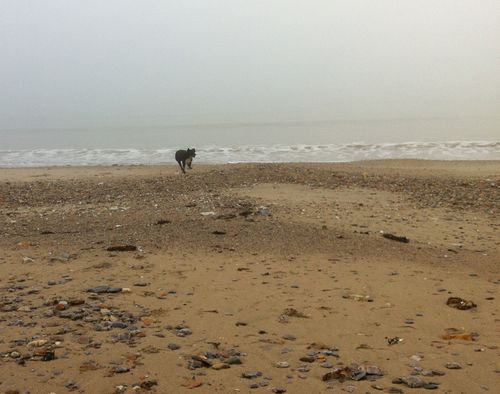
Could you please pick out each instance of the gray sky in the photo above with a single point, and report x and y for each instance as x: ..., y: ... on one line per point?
x: 110, y: 63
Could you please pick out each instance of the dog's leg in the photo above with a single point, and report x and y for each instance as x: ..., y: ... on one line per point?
x: 180, y: 165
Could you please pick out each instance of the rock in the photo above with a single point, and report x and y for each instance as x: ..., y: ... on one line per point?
x: 413, y: 382
x: 119, y: 324
x: 373, y: 370
x: 326, y: 364
x: 289, y: 337
x: 219, y: 366
x: 98, y: 289
x: 37, y: 343
x: 460, y: 303
x: 431, y: 386
x: 251, y: 374
x: 279, y: 390
x: 393, y: 237
x: 119, y: 369
x: 184, y: 332
x: 234, y: 360
x: 173, y: 346
x: 282, y: 364
x: 122, y: 248
x: 453, y: 365
x: 71, y: 385
x: 308, y: 359
x: 148, y: 384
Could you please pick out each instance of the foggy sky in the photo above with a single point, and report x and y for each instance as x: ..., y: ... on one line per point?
x: 109, y: 63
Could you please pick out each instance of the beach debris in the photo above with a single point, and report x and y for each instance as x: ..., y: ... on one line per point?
x: 460, y: 303
x: 122, y: 248
x: 263, y: 211
x: 394, y: 340
x: 147, y: 384
x: 71, y: 385
x: 358, y: 297
x: 459, y: 333
x: 397, y: 238
x: 161, y: 222
x: 292, y: 312
x: 353, y: 372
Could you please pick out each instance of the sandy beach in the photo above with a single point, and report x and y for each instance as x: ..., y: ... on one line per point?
x: 265, y: 278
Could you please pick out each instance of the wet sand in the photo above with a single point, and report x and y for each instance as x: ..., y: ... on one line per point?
x: 281, y: 269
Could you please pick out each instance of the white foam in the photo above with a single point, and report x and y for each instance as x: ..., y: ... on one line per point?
x: 450, y: 150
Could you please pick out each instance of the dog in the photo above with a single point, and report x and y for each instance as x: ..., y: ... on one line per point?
x: 184, y: 157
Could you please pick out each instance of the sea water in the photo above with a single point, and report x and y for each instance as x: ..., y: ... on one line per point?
x: 437, y: 139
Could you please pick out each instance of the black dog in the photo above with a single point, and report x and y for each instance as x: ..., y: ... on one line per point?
x: 185, y: 156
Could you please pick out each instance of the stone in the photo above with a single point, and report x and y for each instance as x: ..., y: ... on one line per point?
x: 173, y: 346
x: 234, y: 360
x: 282, y: 364
x: 453, y: 365
x: 119, y: 324
x: 219, y: 366
x: 413, y: 382
x: 251, y: 374
x: 184, y: 332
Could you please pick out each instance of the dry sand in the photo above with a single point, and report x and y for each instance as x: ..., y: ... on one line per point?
x: 260, y: 264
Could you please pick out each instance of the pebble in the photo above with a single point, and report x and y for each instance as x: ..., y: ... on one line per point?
x: 413, y: 382
x: 119, y: 324
x: 453, y: 365
x: 183, y: 332
x: 119, y: 369
x: 279, y: 390
x: 251, y: 375
x: 282, y: 364
x: 326, y: 364
x: 308, y: 359
x: 219, y: 366
x: 234, y: 360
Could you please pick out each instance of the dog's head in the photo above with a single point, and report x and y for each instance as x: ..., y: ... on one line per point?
x: 191, y: 152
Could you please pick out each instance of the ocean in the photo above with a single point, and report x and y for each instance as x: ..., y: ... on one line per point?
x: 436, y: 139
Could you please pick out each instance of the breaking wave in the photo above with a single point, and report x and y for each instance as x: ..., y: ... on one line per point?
x: 451, y: 150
